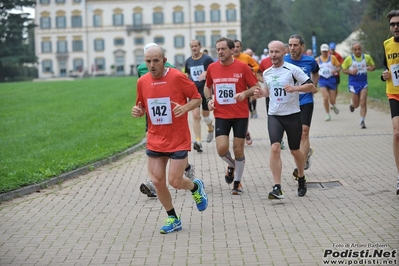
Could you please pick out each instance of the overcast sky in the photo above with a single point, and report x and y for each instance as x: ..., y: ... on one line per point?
x: 31, y: 11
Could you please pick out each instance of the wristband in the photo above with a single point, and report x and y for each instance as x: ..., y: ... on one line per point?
x: 208, y: 99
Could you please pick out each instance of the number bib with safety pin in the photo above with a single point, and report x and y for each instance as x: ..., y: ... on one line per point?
x: 395, y: 74
x: 160, y: 111
x: 225, y: 93
x: 325, y: 71
x: 195, y: 72
x: 279, y: 94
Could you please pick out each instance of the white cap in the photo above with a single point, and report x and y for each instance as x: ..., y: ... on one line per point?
x: 148, y: 45
x: 324, y: 47
x: 265, y: 50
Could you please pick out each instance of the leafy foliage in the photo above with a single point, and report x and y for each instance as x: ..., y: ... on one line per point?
x: 375, y: 29
x: 329, y: 20
x: 15, y: 46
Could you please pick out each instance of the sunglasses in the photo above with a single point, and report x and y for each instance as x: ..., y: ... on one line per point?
x: 393, y: 24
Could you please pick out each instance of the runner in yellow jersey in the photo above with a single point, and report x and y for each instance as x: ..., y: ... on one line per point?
x: 391, y: 77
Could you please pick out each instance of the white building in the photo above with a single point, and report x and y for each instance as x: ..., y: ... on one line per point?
x: 104, y: 37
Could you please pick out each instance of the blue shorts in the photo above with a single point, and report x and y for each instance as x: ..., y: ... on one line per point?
x: 330, y: 83
x: 357, y: 88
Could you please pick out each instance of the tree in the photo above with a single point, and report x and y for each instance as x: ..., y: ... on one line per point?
x: 15, y: 45
x: 375, y: 29
x: 331, y: 20
x: 260, y: 25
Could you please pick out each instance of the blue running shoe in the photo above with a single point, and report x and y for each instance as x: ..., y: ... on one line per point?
x: 171, y: 224
x: 199, y: 196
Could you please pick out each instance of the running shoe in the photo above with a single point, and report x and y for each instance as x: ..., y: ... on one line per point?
x: 254, y: 114
x: 397, y: 187
x: 198, y: 146
x: 276, y: 193
x: 248, y: 138
x: 148, y: 188
x: 362, y: 125
x: 229, y: 177
x: 308, y: 162
x: 295, y: 173
x: 282, y: 145
x: 209, y: 138
x: 171, y: 224
x: 199, y: 196
x: 190, y: 172
x: 351, y: 108
x: 237, y: 188
x: 336, y: 110
x: 328, y: 117
x: 302, y: 188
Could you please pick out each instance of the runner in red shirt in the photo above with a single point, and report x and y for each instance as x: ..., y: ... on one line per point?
x: 230, y: 80
x: 340, y: 60
x: 162, y: 94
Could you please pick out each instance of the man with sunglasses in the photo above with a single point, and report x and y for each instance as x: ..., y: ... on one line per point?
x: 391, y: 78
x: 308, y: 65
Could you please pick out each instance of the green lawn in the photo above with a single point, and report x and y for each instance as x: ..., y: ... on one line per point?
x: 48, y: 128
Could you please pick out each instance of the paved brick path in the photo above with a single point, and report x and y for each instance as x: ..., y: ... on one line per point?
x: 101, y: 218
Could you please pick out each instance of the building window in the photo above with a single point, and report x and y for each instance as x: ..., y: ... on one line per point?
x: 232, y: 36
x: 60, y: 1
x: 201, y: 39
x: 157, y: 17
x: 231, y: 15
x: 118, y: 19
x: 47, y: 66
x: 77, y: 1
x: 119, y: 41
x: 179, y: 41
x: 78, y: 65
x: 60, y: 22
x: 46, y: 47
x: 120, y: 65
x: 180, y: 60
x: 214, y: 38
x: 138, y: 40
x: 199, y: 16
x: 44, y: 2
x: 215, y: 15
x: 77, y: 45
x: 178, y: 17
x: 45, y: 23
x: 76, y: 21
x: 62, y: 47
x: 137, y: 19
x: 97, y: 20
x: 100, y: 64
x: 99, y: 45
x: 159, y: 40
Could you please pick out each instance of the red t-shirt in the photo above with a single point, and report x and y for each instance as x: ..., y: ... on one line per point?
x: 227, y: 81
x: 339, y: 58
x: 265, y: 64
x: 166, y: 133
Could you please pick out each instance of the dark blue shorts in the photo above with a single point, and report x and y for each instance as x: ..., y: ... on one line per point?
x: 178, y: 155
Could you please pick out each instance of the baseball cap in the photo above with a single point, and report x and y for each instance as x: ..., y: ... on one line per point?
x: 324, y: 47
x: 265, y: 50
x: 148, y: 45
x: 332, y: 45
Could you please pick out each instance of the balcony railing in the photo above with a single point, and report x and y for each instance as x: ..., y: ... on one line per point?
x: 62, y: 55
x: 138, y: 28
